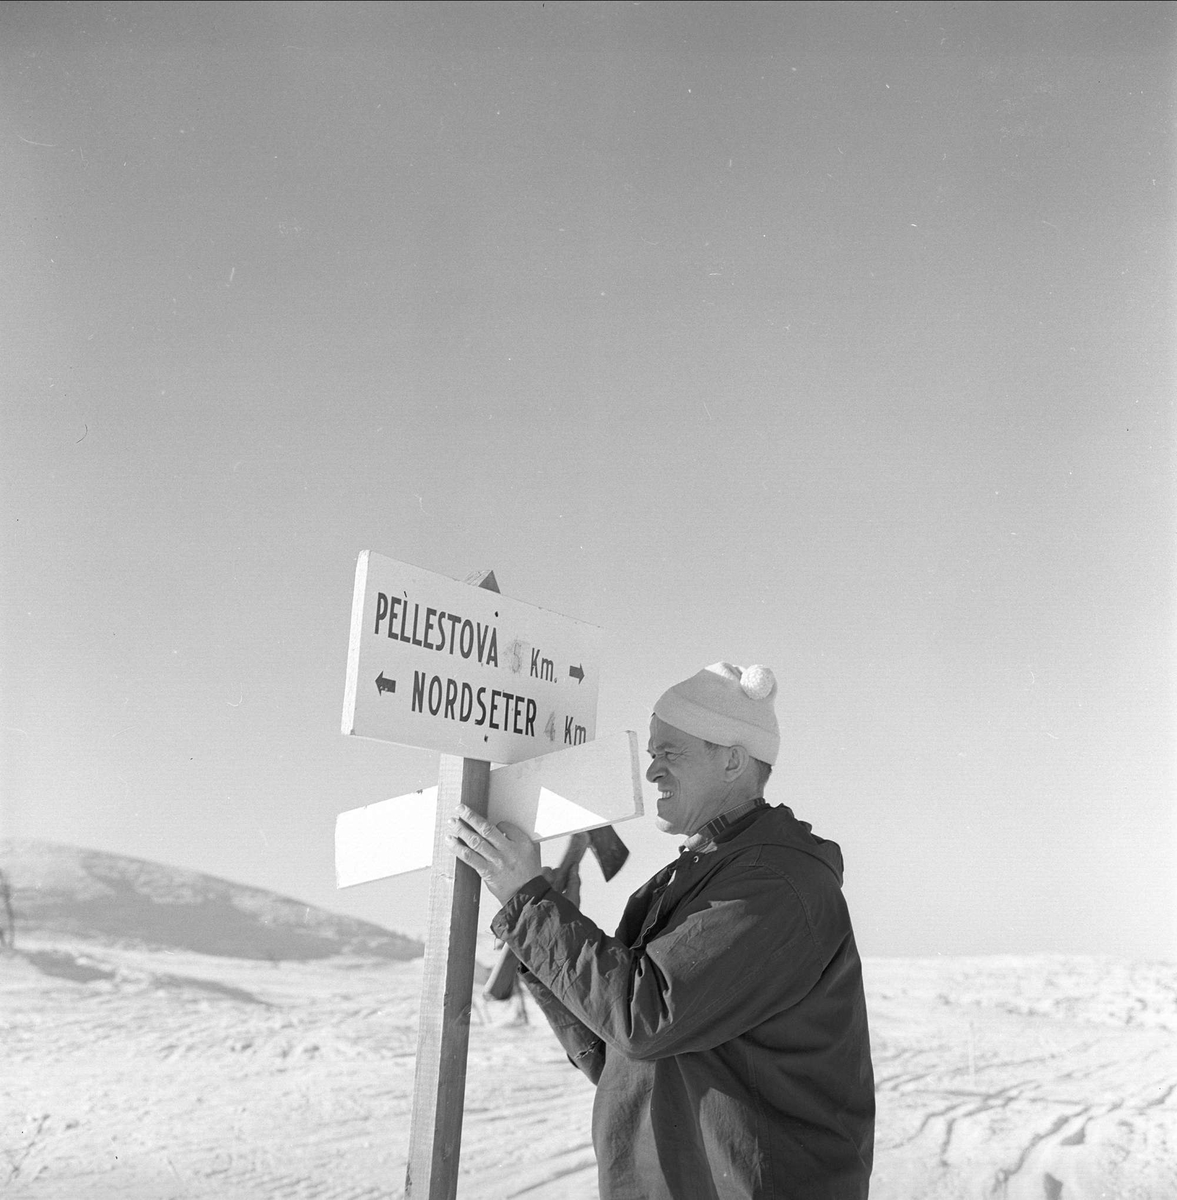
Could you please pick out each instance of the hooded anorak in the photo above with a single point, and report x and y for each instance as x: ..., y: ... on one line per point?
x: 724, y: 1025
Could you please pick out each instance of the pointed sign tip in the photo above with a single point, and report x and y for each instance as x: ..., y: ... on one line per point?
x: 484, y: 579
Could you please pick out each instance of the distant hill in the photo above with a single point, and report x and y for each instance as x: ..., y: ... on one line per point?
x: 60, y: 889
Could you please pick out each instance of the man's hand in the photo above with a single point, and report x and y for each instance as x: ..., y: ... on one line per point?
x: 503, y: 855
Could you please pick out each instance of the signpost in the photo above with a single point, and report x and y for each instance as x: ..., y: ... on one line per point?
x: 438, y: 664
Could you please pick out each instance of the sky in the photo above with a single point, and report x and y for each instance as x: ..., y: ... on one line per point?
x: 833, y: 337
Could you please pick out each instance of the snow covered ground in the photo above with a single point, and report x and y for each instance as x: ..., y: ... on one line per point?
x: 158, y: 1071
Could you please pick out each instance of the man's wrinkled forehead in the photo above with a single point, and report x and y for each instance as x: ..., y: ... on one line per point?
x: 665, y: 737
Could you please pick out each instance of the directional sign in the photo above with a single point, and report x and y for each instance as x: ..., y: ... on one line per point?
x: 435, y: 663
x: 595, y: 784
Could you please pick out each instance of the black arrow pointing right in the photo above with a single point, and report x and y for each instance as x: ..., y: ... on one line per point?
x: 577, y: 673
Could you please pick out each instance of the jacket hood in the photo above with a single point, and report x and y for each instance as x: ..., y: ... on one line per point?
x: 778, y: 827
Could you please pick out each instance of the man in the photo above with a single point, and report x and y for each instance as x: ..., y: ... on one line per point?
x: 724, y: 1025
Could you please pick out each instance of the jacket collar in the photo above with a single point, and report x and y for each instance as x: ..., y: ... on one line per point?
x: 711, y: 833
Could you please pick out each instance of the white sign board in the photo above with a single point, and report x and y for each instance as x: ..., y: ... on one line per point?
x: 595, y: 784
x: 442, y: 665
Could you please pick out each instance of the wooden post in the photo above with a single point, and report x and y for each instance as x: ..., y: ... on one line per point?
x: 443, y: 1024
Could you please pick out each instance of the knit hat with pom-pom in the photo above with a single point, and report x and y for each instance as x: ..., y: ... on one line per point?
x: 726, y: 705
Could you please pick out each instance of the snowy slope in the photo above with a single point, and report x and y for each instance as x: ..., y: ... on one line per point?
x: 136, y: 1065
x: 105, y: 897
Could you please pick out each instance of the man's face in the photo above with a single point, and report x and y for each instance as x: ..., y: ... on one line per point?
x: 692, y: 787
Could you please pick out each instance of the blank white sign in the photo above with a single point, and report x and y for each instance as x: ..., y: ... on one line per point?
x: 598, y: 783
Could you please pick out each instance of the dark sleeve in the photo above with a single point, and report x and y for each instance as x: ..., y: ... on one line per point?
x: 584, y: 1048
x: 742, y: 949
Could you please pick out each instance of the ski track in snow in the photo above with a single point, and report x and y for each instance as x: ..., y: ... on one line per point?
x: 1025, y: 1079
x: 153, y: 1075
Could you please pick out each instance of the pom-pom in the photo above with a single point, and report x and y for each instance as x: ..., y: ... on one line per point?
x: 758, y: 682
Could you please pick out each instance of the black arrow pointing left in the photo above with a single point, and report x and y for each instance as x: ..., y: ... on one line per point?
x: 385, y: 685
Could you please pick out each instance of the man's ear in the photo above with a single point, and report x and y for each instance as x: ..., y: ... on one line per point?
x: 738, y: 759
